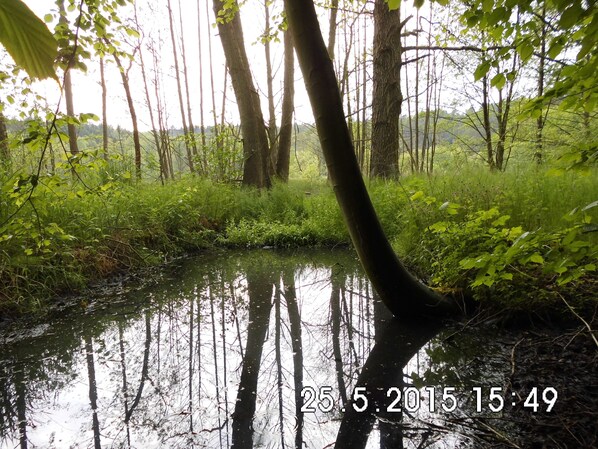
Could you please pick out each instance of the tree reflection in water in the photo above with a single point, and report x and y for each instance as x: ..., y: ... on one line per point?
x: 215, y: 354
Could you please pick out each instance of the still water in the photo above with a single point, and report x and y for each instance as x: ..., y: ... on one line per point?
x: 259, y: 349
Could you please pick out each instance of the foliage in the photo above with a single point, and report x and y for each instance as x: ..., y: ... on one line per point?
x: 575, y: 31
x: 27, y: 39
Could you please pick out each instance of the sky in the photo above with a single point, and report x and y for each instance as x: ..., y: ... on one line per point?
x: 153, y: 17
x: 154, y: 27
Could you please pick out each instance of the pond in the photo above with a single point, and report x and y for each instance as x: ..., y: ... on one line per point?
x: 257, y: 349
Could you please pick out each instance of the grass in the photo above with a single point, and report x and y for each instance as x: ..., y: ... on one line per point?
x: 69, y: 238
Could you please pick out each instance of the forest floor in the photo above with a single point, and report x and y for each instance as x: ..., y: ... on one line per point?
x: 541, y: 355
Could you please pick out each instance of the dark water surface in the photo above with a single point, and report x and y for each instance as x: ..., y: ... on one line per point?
x: 226, y: 350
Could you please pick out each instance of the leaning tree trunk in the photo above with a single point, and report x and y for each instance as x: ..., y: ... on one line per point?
x: 255, y: 140
x: 387, y: 98
x: 398, y: 289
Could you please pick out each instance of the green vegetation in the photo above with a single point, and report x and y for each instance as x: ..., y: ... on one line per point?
x: 520, y: 237
x: 500, y: 198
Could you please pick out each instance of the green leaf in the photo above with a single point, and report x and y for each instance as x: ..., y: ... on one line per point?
x: 27, y: 39
x: 525, y: 51
x: 481, y: 70
x: 571, y: 16
x: 498, y: 81
x: 439, y: 227
x: 536, y: 258
x: 417, y: 195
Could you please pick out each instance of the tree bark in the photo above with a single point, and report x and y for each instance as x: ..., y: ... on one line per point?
x: 255, y: 140
x: 136, y: 143
x: 283, y: 160
x: 272, y: 128
x: 387, y: 96
x: 68, y: 89
x: 104, y: 110
x: 179, y: 89
x: 399, y: 290
x: 187, y: 92
x: 4, y: 150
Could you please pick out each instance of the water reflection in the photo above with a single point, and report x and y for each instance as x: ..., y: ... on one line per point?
x: 219, y: 354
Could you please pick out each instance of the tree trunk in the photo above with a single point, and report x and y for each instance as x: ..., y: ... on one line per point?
x: 104, y: 110
x: 387, y: 97
x: 401, y: 292
x: 283, y: 160
x: 332, y: 29
x: 202, y: 126
x: 179, y: 90
x: 272, y: 128
x: 155, y: 133
x: 255, y: 140
x: 68, y: 89
x: 541, y: 73
x: 187, y: 93
x: 487, y: 128
x: 136, y: 143
x: 4, y: 150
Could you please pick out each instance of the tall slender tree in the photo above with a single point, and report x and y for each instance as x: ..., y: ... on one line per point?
x: 68, y: 54
x: 255, y: 140
x: 283, y: 159
x: 124, y: 76
x: 4, y: 149
x: 177, y: 74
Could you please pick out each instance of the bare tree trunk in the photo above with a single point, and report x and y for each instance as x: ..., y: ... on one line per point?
x: 272, y: 128
x: 163, y: 132
x: 400, y: 291
x: 538, y: 155
x: 4, y: 150
x: 255, y: 140
x: 68, y: 89
x: 201, y: 97
x: 486, y: 123
x: 332, y: 28
x: 364, y: 130
x: 155, y: 133
x: 191, y: 136
x: 212, y: 86
x: 104, y: 111
x: 136, y: 143
x: 283, y: 159
x: 387, y: 96
x: 179, y: 90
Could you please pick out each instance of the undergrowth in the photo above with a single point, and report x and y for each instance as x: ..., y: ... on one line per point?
x: 493, y: 234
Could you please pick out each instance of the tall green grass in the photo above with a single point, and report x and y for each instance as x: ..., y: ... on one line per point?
x: 74, y: 236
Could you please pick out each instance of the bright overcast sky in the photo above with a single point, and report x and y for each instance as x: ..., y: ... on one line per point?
x: 87, y: 89
x: 153, y: 16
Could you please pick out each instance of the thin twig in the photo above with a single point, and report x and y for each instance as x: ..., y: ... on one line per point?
x: 581, y: 319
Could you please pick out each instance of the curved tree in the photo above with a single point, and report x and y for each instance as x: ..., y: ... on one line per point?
x: 399, y: 290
